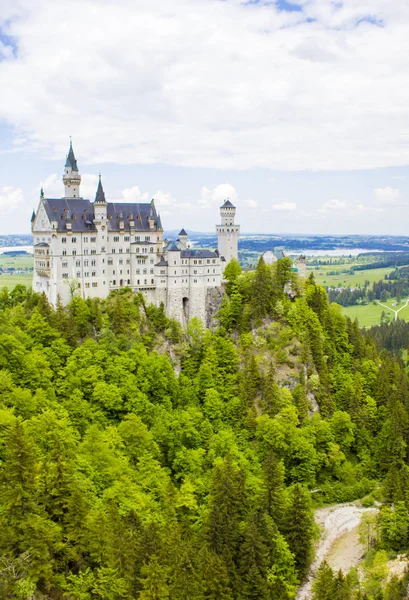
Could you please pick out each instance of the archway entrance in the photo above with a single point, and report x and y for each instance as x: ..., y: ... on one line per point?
x: 185, y: 304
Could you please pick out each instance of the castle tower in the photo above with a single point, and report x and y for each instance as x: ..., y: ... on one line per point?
x: 228, y: 232
x: 71, y: 177
x: 100, y: 204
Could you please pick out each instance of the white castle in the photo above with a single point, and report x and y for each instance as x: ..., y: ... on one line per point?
x: 91, y: 248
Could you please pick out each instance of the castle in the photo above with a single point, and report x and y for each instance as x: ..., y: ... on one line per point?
x: 91, y: 248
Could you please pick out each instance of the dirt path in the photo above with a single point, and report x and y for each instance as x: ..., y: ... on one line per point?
x: 339, y: 543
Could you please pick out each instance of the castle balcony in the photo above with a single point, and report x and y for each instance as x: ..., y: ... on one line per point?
x: 43, y: 271
x: 42, y: 259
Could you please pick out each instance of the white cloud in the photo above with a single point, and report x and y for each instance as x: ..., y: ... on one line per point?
x: 134, y: 194
x: 388, y: 196
x: 216, y: 196
x: 337, y: 206
x: 285, y: 206
x: 214, y: 84
x: 251, y: 203
x: 12, y: 206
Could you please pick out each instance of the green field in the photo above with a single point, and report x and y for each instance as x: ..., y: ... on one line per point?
x: 346, y: 279
x: 19, y: 262
x: 11, y: 281
x: 367, y: 315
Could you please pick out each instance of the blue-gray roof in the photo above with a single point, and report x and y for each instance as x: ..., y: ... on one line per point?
x: 100, y: 195
x: 172, y: 247
x: 71, y: 161
x: 81, y: 212
x: 192, y: 253
x: 227, y: 204
x: 182, y: 232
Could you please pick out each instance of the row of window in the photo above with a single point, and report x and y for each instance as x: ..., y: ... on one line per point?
x: 74, y: 240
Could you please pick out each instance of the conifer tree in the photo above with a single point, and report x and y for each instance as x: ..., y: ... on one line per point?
x: 300, y: 528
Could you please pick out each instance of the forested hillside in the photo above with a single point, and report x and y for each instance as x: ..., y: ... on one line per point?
x: 141, y: 462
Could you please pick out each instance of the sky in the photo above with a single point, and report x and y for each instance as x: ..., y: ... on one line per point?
x: 298, y: 112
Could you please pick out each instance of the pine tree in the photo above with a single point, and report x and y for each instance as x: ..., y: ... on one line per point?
x: 274, y: 485
x: 300, y: 528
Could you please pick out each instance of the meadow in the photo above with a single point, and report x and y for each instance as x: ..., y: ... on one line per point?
x: 343, y: 276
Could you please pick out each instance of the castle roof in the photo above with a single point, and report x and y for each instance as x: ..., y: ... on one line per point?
x: 71, y: 161
x: 162, y: 262
x: 228, y: 204
x: 81, y: 212
x: 172, y: 247
x: 182, y: 232
x: 100, y: 195
x: 193, y: 253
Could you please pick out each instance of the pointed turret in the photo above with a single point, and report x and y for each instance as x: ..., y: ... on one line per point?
x: 71, y: 160
x: 100, y: 195
x: 100, y: 203
x: 159, y: 222
x: 71, y: 177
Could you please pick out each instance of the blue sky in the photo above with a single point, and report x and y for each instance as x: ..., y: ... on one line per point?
x: 299, y: 112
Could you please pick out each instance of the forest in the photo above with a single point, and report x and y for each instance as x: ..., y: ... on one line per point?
x: 140, y: 461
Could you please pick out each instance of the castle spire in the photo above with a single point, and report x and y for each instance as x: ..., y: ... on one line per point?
x: 71, y: 160
x: 100, y: 195
x: 71, y: 177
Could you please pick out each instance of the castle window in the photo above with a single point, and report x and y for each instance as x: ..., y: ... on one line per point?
x: 93, y: 240
x: 86, y: 274
x: 65, y: 275
x: 120, y: 250
x: 145, y: 271
x: 147, y: 238
x: 65, y: 264
x: 93, y: 274
x: 175, y: 280
x: 85, y: 263
x: 64, y: 240
x: 113, y: 250
x: 128, y: 261
x: 151, y: 271
x: 93, y: 251
x: 195, y: 281
x: 163, y: 272
x: 213, y: 261
x: 78, y: 274
x: 200, y: 262
x: 121, y: 262
x: 126, y: 238
x: 85, y: 240
x: 127, y: 250
x: 138, y: 281
x: 74, y: 252
x: 87, y: 285
x: 137, y: 271
x: 103, y: 249
x: 114, y: 282
x: 95, y: 284
x: 110, y: 261
x: 113, y: 272
x: 145, y: 281
x: 77, y: 263
x: 137, y: 238
x: 85, y: 250
x: 152, y: 281
x: 151, y: 250
x: 195, y: 262
x: 208, y: 261
x: 93, y: 263
x: 137, y: 250
x: 64, y: 252
x: 175, y: 272
x: 116, y: 238
x: 195, y: 272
